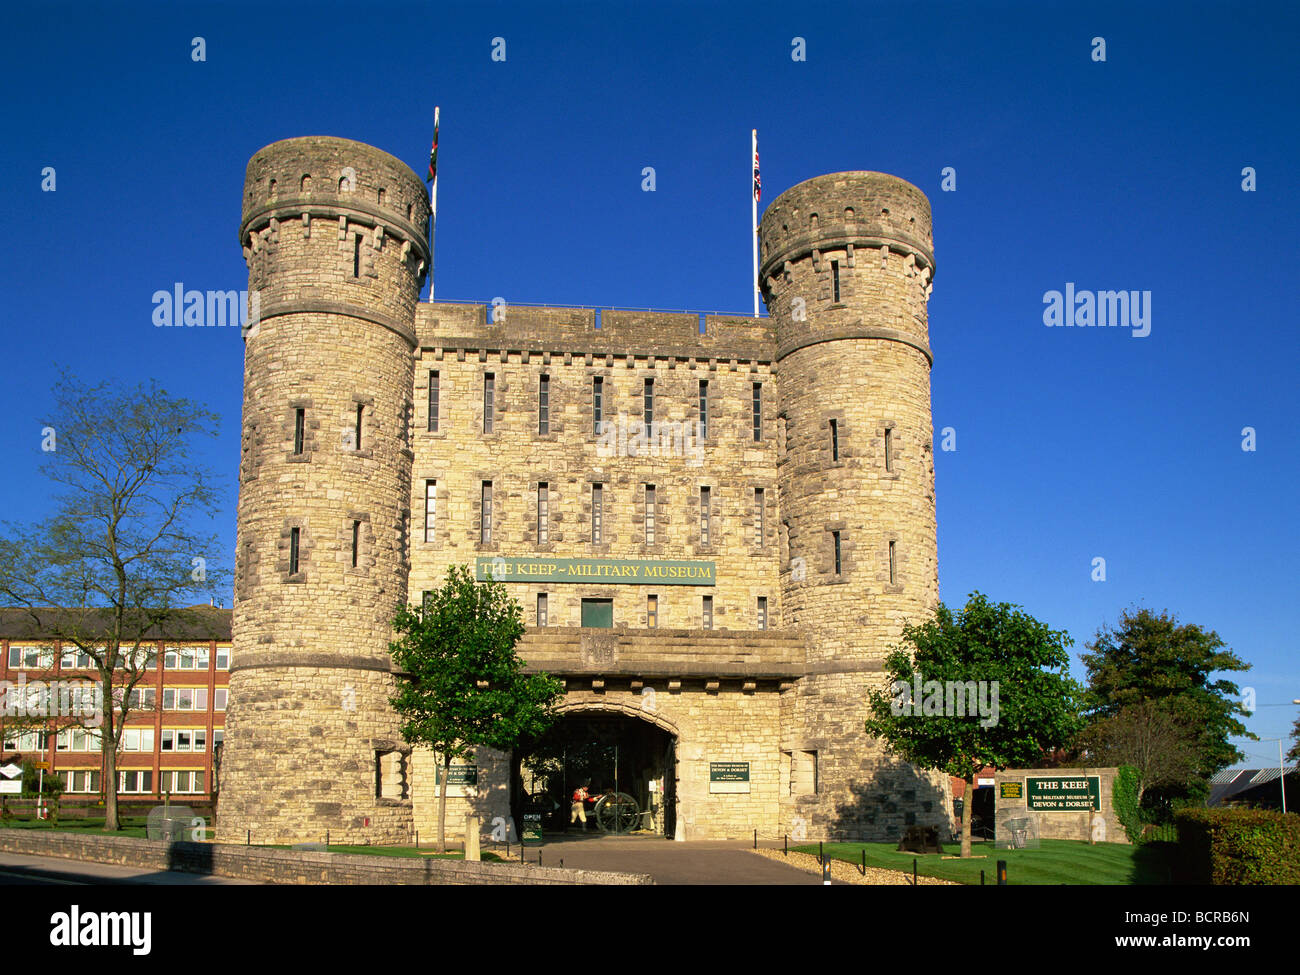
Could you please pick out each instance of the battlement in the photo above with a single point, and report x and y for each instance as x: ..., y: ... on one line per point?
x: 594, y: 331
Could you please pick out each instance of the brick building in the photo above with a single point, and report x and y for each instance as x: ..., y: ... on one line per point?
x: 717, y: 595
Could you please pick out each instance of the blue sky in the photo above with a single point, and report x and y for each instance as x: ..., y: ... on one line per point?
x: 1072, y: 444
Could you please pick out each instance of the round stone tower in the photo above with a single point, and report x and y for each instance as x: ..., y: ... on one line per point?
x: 334, y: 234
x: 847, y: 261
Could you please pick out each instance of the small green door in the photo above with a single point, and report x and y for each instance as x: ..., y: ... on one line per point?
x: 598, y: 613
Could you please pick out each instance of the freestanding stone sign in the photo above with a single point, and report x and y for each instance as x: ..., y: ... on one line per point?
x: 1061, y: 803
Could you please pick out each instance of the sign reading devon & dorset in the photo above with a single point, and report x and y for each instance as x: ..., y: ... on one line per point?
x: 628, y: 571
x: 1063, y: 793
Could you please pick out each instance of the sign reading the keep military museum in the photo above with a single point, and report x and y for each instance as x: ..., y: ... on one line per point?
x: 729, y: 777
x: 1063, y: 793
x: 640, y: 572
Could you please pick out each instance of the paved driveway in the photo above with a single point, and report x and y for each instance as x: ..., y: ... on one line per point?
x: 669, y: 862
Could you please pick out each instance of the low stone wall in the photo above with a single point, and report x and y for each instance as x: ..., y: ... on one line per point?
x: 292, y: 866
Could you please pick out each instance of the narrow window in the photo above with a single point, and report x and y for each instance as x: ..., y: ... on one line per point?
x: 433, y: 401
x: 839, y: 563
x: 485, y: 515
x: 597, y: 403
x: 299, y: 428
x: 835, y: 439
x: 889, y: 449
x: 652, y: 611
x: 762, y: 612
x: 649, y: 514
x: 356, y: 541
x: 648, y: 399
x: 293, y: 550
x: 704, y: 408
x: 708, y: 613
x: 543, y: 514
x: 835, y: 280
x: 356, y: 256
x: 706, y: 495
x: 544, y: 405
x: 430, y: 509
x: 760, y: 516
x: 757, y: 411
x: 893, y: 562
x: 361, y: 412
x: 541, y: 609
x: 597, y: 513
x: 489, y: 400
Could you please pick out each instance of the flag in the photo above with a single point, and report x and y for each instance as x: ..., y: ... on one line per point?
x: 758, y: 182
x: 433, y: 154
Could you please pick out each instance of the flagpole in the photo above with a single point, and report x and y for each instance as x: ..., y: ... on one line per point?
x: 433, y: 205
x: 754, y: 197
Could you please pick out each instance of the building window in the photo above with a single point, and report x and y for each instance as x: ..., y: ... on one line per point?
x: 140, y: 780
x: 544, y: 406
x: 485, y: 514
x: 184, y: 782
x: 706, y: 514
x: 839, y: 564
x: 185, y: 698
x: 356, y: 541
x: 293, y: 550
x: 541, y: 609
x: 704, y: 408
x: 893, y: 562
x: 760, y: 516
x: 598, y: 613
x: 835, y: 439
x: 597, y: 513
x: 356, y: 256
x: 430, y: 509
x: 220, y: 696
x: 223, y: 658
x: 299, y: 429
x: 543, y: 514
x: 889, y: 449
x: 757, y: 410
x: 803, y: 772
x: 649, y: 514
x: 597, y: 403
x: 707, y: 621
x: 489, y: 400
x: 762, y: 612
x: 652, y: 611
x: 361, y: 413
x: 434, y: 392
x: 835, y: 280
x: 648, y: 400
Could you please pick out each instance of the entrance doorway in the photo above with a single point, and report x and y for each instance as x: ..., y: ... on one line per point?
x: 628, y: 765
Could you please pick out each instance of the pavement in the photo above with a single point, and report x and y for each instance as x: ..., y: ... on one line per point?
x: 24, y: 869
x: 668, y: 861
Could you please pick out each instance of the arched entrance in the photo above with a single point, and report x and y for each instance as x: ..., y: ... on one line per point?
x: 626, y: 756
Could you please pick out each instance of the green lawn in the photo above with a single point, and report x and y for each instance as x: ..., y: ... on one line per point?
x: 1056, y: 862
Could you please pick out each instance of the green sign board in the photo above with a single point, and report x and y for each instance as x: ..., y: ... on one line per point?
x: 1063, y: 793
x: 458, y: 775
x: 636, y: 572
x: 1011, y: 790
x: 532, y: 828
x: 730, y: 777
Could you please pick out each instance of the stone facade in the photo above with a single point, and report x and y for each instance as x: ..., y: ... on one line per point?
x: 1100, y: 826
x: 793, y: 453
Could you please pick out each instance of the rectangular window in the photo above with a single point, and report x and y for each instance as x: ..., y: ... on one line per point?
x: 704, y: 408
x: 839, y: 565
x: 893, y: 563
x: 361, y: 412
x: 543, y: 513
x: 835, y: 280
x: 757, y: 411
x: 135, y: 781
x: 649, y: 514
x: 762, y: 612
x: 356, y: 541
x: 541, y: 609
x: 356, y: 256
x: 220, y: 696
x: 597, y: 403
x: 889, y: 449
x: 223, y: 658
x: 299, y: 428
x: 835, y: 439
x: 648, y: 401
x: 805, y: 774
x: 430, y: 509
x: 652, y: 611
x: 598, y: 613
x: 433, y: 401
x: 489, y: 400
x: 760, y: 516
x: 707, y: 622
x: 706, y: 514
x: 485, y: 515
x: 544, y: 406
x: 293, y: 550
x: 597, y: 513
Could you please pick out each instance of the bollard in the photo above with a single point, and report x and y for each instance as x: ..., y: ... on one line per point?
x: 756, y: 839
x: 327, y: 840
x: 826, y: 873
x: 539, y: 858
x: 417, y: 839
x: 521, y: 853
x: 249, y: 840
x: 981, y: 878
x: 785, y: 843
x: 821, y: 853
x: 913, y: 871
x: 1002, y: 873
x: 864, y: 861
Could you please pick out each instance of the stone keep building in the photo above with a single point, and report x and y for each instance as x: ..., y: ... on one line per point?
x: 717, y: 596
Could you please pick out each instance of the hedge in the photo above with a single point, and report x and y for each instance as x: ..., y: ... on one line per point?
x: 1238, y: 846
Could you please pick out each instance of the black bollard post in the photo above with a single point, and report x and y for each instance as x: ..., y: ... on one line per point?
x: 864, y: 861
x: 756, y: 839
x: 249, y: 840
x: 785, y: 843
x: 981, y: 878
x: 1002, y: 873
x: 913, y: 871
x: 821, y: 852
x: 327, y: 840
x: 417, y: 839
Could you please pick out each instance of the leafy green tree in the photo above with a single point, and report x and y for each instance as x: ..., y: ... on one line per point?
x: 1294, y: 754
x: 1024, y: 666
x: 1150, y: 657
x: 460, y: 684
x: 127, y: 546
x: 1156, y: 745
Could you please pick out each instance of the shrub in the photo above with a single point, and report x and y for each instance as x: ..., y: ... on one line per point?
x: 1238, y: 846
x: 1124, y: 797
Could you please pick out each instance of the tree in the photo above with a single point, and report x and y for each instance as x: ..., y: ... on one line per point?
x: 110, y: 568
x: 1294, y: 754
x: 1150, y: 657
x: 460, y: 684
x: 1159, y: 744
x: 1015, y: 667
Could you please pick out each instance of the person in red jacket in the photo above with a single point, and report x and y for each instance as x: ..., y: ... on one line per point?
x: 579, y: 810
